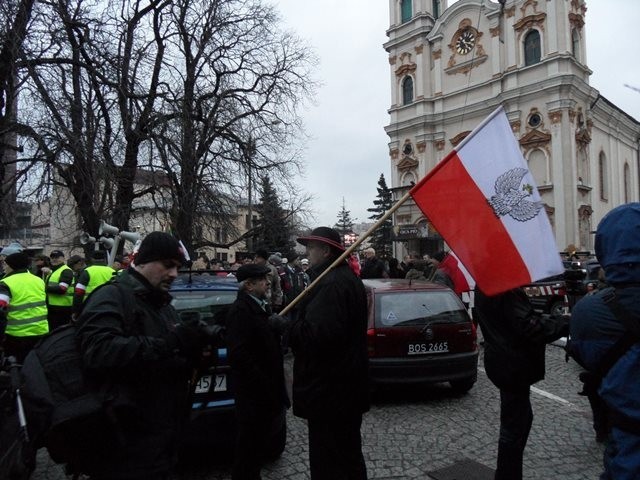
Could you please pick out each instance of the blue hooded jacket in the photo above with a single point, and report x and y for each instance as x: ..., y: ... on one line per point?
x: 594, y: 327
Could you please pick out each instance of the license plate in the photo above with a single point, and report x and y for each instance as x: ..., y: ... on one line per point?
x: 218, y: 382
x: 425, y: 348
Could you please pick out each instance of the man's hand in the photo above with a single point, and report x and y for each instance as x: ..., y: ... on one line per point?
x: 277, y: 322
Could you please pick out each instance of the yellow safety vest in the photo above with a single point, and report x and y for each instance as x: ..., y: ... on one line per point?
x: 57, y: 299
x: 27, y: 311
x: 98, y: 274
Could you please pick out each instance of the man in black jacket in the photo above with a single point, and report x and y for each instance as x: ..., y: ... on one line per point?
x: 130, y: 337
x: 514, y: 359
x: 255, y: 355
x: 330, y: 371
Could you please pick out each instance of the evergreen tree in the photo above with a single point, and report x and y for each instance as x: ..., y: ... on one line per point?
x: 274, y: 232
x: 344, y: 225
x: 381, y: 237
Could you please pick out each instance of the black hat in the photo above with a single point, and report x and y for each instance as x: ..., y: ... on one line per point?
x: 251, y: 270
x: 439, y: 256
x: 98, y: 255
x: 74, y: 259
x: 56, y: 254
x: 325, y: 235
x: 17, y: 261
x: 159, y: 246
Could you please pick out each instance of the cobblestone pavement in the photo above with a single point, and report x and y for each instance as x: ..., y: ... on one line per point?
x: 409, y: 433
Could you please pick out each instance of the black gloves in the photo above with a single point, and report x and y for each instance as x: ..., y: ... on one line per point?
x: 278, y: 323
x: 192, y: 334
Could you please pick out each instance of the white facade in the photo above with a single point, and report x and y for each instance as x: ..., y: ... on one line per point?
x: 451, y: 67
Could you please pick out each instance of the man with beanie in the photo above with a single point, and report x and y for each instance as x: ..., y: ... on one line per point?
x: 60, y: 288
x: 330, y: 371
x: 23, y: 309
x: 96, y: 274
x: 130, y: 336
x: 605, y: 337
x: 255, y: 356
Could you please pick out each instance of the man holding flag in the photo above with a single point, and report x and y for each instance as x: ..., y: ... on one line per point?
x: 483, y: 201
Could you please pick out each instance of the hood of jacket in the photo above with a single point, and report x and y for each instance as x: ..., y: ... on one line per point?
x: 617, y: 244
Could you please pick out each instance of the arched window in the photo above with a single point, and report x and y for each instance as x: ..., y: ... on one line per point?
x: 408, y: 179
x: 436, y: 9
x: 406, y: 10
x: 537, y: 163
x: 407, y: 90
x: 532, y: 50
x: 627, y: 183
x: 575, y: 43
x: 603, y: 173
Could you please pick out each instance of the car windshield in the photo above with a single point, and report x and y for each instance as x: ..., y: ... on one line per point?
x: 206, y: 303
x: 418, y: 308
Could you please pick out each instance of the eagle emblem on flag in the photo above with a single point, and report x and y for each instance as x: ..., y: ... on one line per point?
x: 511, y: 197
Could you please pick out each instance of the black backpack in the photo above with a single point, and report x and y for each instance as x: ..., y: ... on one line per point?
x: 71, y: 414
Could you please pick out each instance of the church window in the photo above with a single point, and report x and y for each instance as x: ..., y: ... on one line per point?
x: 603, y: 173
x: 535, y: 120
x: 627, y: 184
x: 407, y: 90
x: 408, y: 179
x: 436, y: 9
x: 537, y: 163
x: 406, y: 10
x: 575, y: 43
x: 532, y: 50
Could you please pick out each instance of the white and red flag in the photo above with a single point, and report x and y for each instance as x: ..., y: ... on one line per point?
x: 483, y: 200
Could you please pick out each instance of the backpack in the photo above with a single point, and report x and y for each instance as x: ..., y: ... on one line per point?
x: 71, y: 414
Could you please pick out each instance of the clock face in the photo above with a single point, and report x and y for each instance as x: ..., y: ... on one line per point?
x: 465, y: 42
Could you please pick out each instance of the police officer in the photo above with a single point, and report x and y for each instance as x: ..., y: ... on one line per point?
x: 23, y: 309
x: 255, y: 355
x: 60, y: 289
x: 92, y: 277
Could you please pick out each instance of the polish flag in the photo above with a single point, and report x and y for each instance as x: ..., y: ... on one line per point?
x: 484, y: 202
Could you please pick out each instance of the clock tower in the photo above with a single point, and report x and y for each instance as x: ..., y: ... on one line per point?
x: 451, y: 64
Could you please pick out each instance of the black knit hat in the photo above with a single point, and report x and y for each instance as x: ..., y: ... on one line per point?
x: 251, y: 270
x: 159, y: 246
x: 17, y: 261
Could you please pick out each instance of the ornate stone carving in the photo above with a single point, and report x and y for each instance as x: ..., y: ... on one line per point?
x: 529, y: 22
x: 459, y: 137
x: 393, y: 153
x: 572, y: 115
x: 535, y: 139
x: 584, y: 212
x: 582, y: 137
x: 407, y: 163
x: 515, y: 126
x: 419, y: 49
x: 439, y: 145
x: 436, y: 54
x: 392, y: 60
x: 495, y: 31
x: 510, y: 12
x: 529, y: 3
x: 421, y: 146
x: 406, y: 69
x: 464, y: 67
x: 555, y: 117
x: 576, y: 21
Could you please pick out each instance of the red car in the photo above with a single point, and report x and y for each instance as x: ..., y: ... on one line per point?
x: 419, y: 332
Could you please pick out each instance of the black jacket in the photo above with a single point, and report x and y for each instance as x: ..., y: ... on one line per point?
x: 122, y: 334
x: 255, y: 355
x: 373, y: 268
x: 514, y: 336
x: 328, y: 339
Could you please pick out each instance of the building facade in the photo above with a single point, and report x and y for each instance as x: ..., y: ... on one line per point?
x: 453, y: 65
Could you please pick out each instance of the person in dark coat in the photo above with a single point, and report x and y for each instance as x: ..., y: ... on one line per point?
x: 255, y: 356
x: 514, y: 359
x: 373, y: 267
x: 330, y: 370
x: 130, y: 336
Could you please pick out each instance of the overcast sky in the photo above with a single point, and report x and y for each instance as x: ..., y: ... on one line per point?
x: 348, y: 148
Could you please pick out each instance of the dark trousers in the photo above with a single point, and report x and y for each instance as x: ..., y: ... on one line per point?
x: 251, y: 441
x: 58, y: 316
x: 516, y: 418
x: 335, y: 448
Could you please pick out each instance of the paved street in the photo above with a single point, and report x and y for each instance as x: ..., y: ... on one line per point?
x: 410, y: 433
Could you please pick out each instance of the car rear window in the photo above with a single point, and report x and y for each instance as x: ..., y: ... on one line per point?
x: 206, y: 303
x: 418, y: 308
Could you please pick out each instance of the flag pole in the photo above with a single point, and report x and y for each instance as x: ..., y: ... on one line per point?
x: 347, y: 252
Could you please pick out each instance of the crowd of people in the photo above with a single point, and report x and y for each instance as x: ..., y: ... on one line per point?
x: 132, y: 340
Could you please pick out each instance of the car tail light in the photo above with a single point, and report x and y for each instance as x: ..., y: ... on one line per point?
x: 560, y: 289
x: 371, y: 339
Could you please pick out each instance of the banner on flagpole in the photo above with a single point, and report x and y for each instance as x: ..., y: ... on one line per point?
x: 484, y: 202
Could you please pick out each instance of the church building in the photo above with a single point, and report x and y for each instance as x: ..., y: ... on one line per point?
x: 452, y: 65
